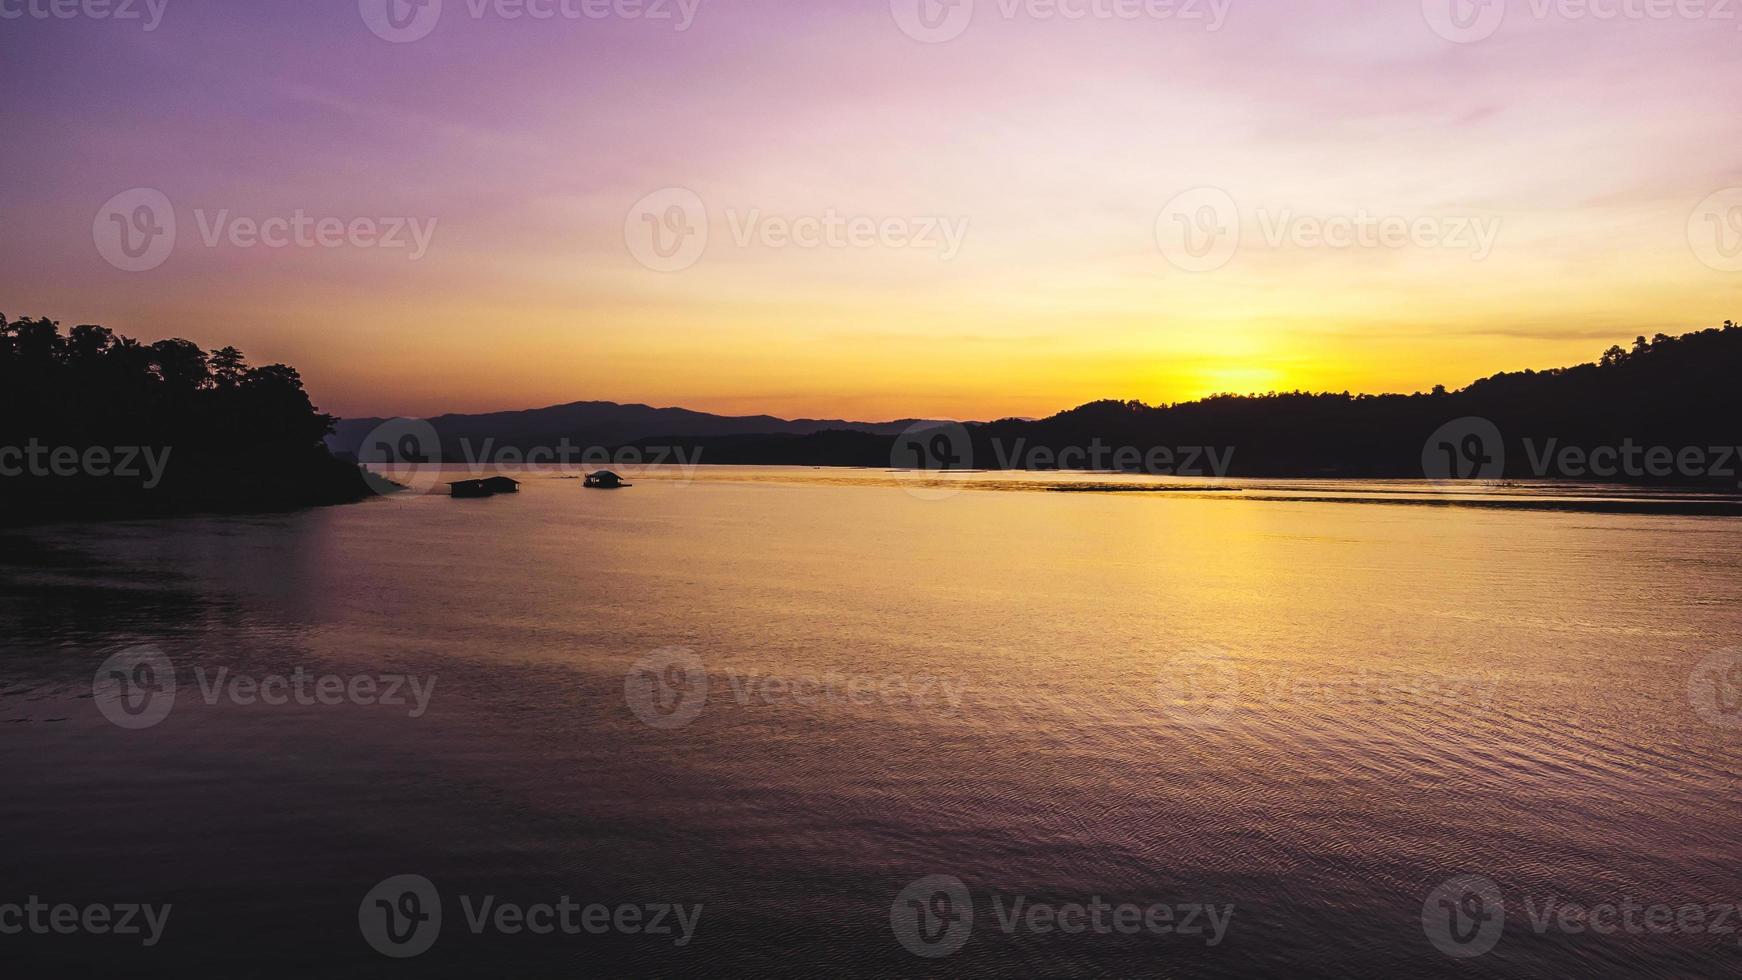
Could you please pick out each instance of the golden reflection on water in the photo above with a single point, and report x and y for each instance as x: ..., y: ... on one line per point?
x: 1313, y: 710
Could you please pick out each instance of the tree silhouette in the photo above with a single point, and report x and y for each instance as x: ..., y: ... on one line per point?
x: 1671, y: 392
x: 237, y: 437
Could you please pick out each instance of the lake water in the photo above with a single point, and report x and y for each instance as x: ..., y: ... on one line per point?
x: 788, y: 695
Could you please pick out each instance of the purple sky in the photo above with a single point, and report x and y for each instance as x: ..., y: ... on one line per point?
x: 1591, y: 147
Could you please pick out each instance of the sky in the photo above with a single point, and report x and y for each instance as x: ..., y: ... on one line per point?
x: 872, y: 209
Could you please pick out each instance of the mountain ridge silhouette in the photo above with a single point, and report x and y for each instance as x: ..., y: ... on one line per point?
x: 1672, y: 392
x: 592, y: 423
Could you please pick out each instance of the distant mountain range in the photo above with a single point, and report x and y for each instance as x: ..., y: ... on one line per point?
x: 1666, y: 411
x: 600, y: 424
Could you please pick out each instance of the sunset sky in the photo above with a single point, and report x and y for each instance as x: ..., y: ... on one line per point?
x: 1591, y: 147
